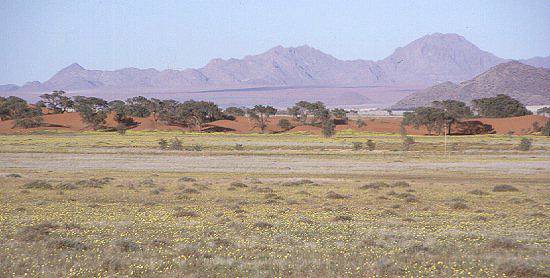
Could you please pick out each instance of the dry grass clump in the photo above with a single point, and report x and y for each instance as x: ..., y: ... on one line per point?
x: 38, y: 184
x: 185, y: 213
x: 263, y: 225
x: 342, y: 218
x: 401, y: 184
x: 190, y: 191
x: 94, y: 183
x: 334, y: 195
x: 13, y: 176
x: 67, y: 186
x: 67, y: 243
x: 478, y: 192
x: 126, y: 245
x: 36, y: 232
x: 301, y: 182
x: 458, y: 205
x: 374, y: 185
x: 504, y: 188
x: 503, y: 243
x: 519, y: 268
x: 238, y: 184
x: 187, y: 179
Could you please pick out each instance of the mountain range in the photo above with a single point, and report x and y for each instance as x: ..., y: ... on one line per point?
x: 530, y: 85
x: 429, y: 60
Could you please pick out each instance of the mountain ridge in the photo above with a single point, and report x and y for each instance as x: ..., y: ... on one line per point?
x: 426, y: 61
x: 530, y: 85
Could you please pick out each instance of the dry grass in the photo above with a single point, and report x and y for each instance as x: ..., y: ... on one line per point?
x: 310, y: 209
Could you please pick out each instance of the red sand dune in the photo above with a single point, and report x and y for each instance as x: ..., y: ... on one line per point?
x: 72, y: 122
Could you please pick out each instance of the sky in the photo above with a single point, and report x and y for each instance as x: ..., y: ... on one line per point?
x: 38, y: 38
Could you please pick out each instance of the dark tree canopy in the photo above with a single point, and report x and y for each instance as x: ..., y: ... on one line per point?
x: 453, y: 111
x: 57, y: 101
x: 197, y: 113
x: 430, y: 117
x: 17, y: 109
x: 312, y: 113
x: 92, y: 110
x: 285, y: 124
x: 139, y: 107
x: 261, y: 114
x: 501, y: 106
x: 234, y: 111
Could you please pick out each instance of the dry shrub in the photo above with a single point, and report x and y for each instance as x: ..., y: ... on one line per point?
x: 458, y: 205
x: 187, y: 179
x: 401, y: 184
x: 238, y: 184
x: 504, y: 188
x: 126, y: 245
x: 94, y: 183
x: 503, y: 243
x: 185, y: 213
x: 478, y: 192
x: 190, y: 191
x: 67, y: 186
x: 342, y: 218
x: 300, y: 183
x: 263, y: 225
x: 334, y: 195
x: 519, y: 268
x: 66, y: 243
x: 37, y: 184
x: 13, y: 176
x: 374, y: 185
x: 37, y: 232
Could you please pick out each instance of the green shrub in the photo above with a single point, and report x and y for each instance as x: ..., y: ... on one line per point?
x: 370, y: 145
x: 163, y: 144
x: 525, y: 144
x: 408, y: 142
x: 357, y: 145
x: 38, y: 185
x: 176, y: 144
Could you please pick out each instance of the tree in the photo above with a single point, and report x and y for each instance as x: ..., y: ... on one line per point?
x: 430, y: 117
x: 92, y: 110
x: 329, y: 128
x: 501, y: 106
x: 197, y: 113
x: 360, y: 123
x: 545, y: 111
x: 315, y: 111
x: 139, y: 106
x: 168, y: 112
x: 121, y: 115
x: 261, y: 114
x: 285, y: 124
x: 57, y: 101
x: 453, y: 111
x: 546, y: 129
x: 234, y: 111
x: 155, y: 107
x: 17, y: 109
x: 340, y: 114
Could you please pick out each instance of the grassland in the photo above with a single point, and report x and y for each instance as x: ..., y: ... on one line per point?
x: 290, y: 205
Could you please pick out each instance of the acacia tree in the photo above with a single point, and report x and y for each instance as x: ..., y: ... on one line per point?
x: 197, y: 113
x: 57, y: 101
x: 139, y: 106
x: 234, y: 111
x: 92, y: 110
x: 303, y: 110
x: 430, y: 117
x: 453, y: 111
x: 18, y: 110
x: 501, y: 106
x: 261, y: 114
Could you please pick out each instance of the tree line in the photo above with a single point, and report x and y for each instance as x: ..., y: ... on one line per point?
x: 440, y: 117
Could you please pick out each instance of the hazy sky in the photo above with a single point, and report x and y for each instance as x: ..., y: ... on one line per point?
x: 37, y: 38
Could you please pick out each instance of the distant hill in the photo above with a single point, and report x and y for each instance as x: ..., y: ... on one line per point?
x: 424, y: 62
x: 529, y: 85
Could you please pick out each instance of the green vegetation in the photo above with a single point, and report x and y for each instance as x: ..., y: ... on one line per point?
x: 501, y: 106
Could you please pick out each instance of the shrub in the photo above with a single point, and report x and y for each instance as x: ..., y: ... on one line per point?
x: 239, y: 147
x: 36, y: 232
x: 284, y: 124
x: 94, y: 183
x: 334, y: 195
x: 478, y: 192
x: 408, y: 142
x: 194, y: 148
x: 374, y: 185
x: 185, y: 213
x: 121, y: 128
x: 38, y: 185
x: 400, y: 184
x: 175, y: 144
x: 238, y: 184
x: 127, y: 245
x: 370, y: 145
x: 329, y: 128
x: 187, y: 179
x: 342, y: 218
x: 13, y: 176
x: 163, y: 144
x: 299, y: 183
x: 28, y: 122
x: 263, y: 225
x: 66, y: 243
x: 357, y: 145
x: 360, y: 123
x: 504, y: 188
x: 546, y: 129
x: 525, y: 144
x: 458, y: 205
